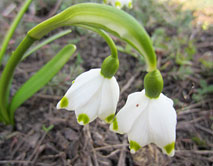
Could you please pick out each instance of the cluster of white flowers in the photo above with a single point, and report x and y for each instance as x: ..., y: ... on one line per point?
x: 145, y: 120
x: 147, y: 117
x: 119, y: 3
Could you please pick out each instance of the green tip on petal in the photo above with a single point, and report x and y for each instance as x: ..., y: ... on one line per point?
x: 134, y: 146
x: 73, y: 81
x: 64, y: 102
x: 109, y: 118
x: 115, y: 124
x: 169, y: 148
x: 118, y: 4
x: 83, y: 119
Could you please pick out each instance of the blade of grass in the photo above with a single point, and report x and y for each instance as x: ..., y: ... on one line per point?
x: 38, y: 80
x: 13, y: 28
x: 47, y: 41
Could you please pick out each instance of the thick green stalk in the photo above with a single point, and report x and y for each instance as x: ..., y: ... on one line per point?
x: 45, y: 42
x: 8, y: 74
x: 105, y: 17
x: 13, y: 28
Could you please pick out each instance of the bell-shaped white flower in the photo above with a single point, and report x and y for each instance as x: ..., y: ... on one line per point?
x: 120, y: 3
x: 147, y: 121
x: 91, y: 95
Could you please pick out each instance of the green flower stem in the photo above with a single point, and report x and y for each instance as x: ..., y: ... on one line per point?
x: 111, y: 64
x: 8, y: 74
x: 105, y: 17
x: 106, y: 37
x: 13, y: 28
x: 47, y: 41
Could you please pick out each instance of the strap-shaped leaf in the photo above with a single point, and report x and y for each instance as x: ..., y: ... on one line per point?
x: 13, y: 27
x: 45, y: 42
x: 38, y: 80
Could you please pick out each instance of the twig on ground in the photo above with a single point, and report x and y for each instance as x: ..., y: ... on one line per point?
x: 39, y: 95
x: 38, y: 149
x: 204, y: 129
x: 129, y: 83
x: 111, y: 154
x: 112, y: 146
x: 20, y: 144
x: 122, y: 157
x: 22, y: 162
x: 94, y: 156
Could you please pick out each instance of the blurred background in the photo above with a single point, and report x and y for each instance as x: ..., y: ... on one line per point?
x: 182, y: 35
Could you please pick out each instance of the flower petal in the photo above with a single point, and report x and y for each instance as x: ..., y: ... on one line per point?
x: 135, y: 105
x: 140, y: 131
x: 162, y: 121
x: 109, y: 98
x: 85, y: 77
x: 90, y: 110
x: 84, y: 87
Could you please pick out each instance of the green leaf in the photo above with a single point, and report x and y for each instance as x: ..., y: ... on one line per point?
x: 38, y: 80
x: 47, y: 129
x: 13, y: 27
x: 45, y: 42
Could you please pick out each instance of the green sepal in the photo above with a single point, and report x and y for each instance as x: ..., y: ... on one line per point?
x: 153, y: 84
x: 109, y: 67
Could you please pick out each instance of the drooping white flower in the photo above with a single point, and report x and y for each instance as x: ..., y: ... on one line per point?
x: 147, y: 121
x: 119, y: 3
x: 91, y: 95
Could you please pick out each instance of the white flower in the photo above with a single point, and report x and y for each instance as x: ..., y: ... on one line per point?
x: 91, y: 95
x: 147, y: 121
x: 120, y: 3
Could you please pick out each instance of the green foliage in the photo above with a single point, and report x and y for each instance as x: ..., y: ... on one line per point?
x: 42, y: 77
x: 47, y: 129
x: 203, y: 91
x: 45, y: 42
x: 199, y: 141
x: 207, y: 61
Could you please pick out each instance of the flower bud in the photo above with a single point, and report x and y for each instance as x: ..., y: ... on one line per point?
x: 109, y: 67
x: 153, y: 84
